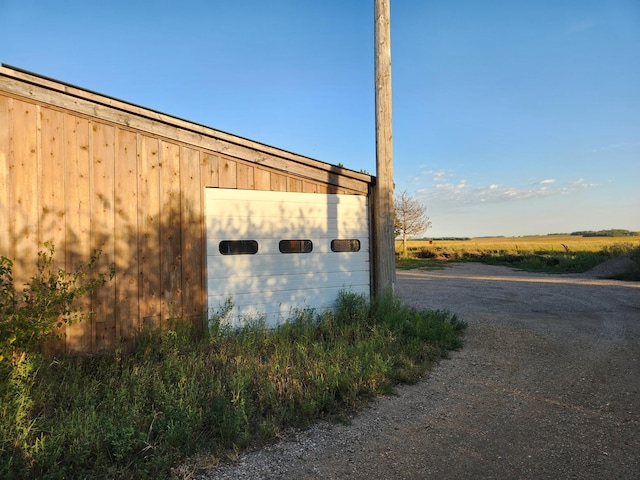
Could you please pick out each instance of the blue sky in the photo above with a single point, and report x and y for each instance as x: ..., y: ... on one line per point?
x: 510, y: 117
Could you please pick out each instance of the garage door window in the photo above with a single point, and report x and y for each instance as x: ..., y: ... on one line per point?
x: 295, y: 246
x: 346, y: 245
x: 238, y: 247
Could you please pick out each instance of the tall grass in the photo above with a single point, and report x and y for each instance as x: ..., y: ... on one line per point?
x: 134, y: 416
x: 568, y: 262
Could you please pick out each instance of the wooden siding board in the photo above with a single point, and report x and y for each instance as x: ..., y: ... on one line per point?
x: 262, y: 179
x: 294, y: 184
x: 77, y: 218
x: 192, y: 234
x: 149, y: 240
x: 245, y: 177
x: 51, y: 202
x: 126, y: 235
x: 209, y: 170
x: 105, y: 333
x: 51, y: 224
x: 5, y: 146
x: 102, y: 230
x: 309, y: 187
x: 23, y: 164
x: 171, y: 246
x: 228, y: 173
x: 278, y: 183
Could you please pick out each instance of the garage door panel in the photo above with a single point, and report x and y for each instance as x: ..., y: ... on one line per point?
x: 274, y: 211
x: 270, y: 282
x: 218, y: 272
x: 290, y: 282
x: 224, y: 267
x: 237, y: 200
x: 278, y: 306
x: 269, y: 246
x: 219, y: 227
x: 230, y: 265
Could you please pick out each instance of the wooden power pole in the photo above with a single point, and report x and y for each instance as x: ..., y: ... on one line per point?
x: 384, y: 213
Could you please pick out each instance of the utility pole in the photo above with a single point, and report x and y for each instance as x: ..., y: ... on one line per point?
x: 383, y: 210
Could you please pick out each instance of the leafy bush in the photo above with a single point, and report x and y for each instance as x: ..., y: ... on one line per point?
x: 35, y: 314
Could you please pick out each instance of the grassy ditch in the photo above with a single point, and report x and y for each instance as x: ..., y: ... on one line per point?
x: 558, y: 262
x: 137, y: 415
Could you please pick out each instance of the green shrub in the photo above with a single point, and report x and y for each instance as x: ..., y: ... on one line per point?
x: 31, y: 316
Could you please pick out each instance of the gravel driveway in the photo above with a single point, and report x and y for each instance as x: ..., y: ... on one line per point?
x: 547, y: 386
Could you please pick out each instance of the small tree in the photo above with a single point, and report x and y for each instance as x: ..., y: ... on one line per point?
x: 411, y: 217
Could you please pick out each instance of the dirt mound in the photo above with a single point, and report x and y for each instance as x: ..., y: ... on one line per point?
x: 610, y: 268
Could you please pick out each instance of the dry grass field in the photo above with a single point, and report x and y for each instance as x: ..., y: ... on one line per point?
x: 519, y: 245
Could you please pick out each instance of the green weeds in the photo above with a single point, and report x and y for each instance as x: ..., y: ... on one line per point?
x: 136, y: 415
x: 547, y: 262
x: 566, y: 262
x: 409, y: 263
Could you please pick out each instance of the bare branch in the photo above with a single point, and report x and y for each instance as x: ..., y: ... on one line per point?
x: 411, y: 217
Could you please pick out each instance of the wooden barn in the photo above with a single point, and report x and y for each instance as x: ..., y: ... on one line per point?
x: 188, y: 215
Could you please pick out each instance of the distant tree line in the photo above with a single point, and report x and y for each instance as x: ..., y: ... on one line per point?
x: 448, y: 239
x: 616, y: 232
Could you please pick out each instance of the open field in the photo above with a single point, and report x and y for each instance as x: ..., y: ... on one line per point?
x: 520, y: 245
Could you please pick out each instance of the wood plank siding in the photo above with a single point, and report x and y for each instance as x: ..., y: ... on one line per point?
x: 85, y: 171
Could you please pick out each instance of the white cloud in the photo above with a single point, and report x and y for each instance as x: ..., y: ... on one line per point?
x: 581, y: 184
x: 615, y: 146
x: 436, y: 176
x: 439, y: 175
x: 461, y: 192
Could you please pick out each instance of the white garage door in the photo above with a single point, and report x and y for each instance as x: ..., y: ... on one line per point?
x: 274, y: 252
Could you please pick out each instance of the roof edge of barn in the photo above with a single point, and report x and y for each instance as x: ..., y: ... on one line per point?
x: 48, y: 83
